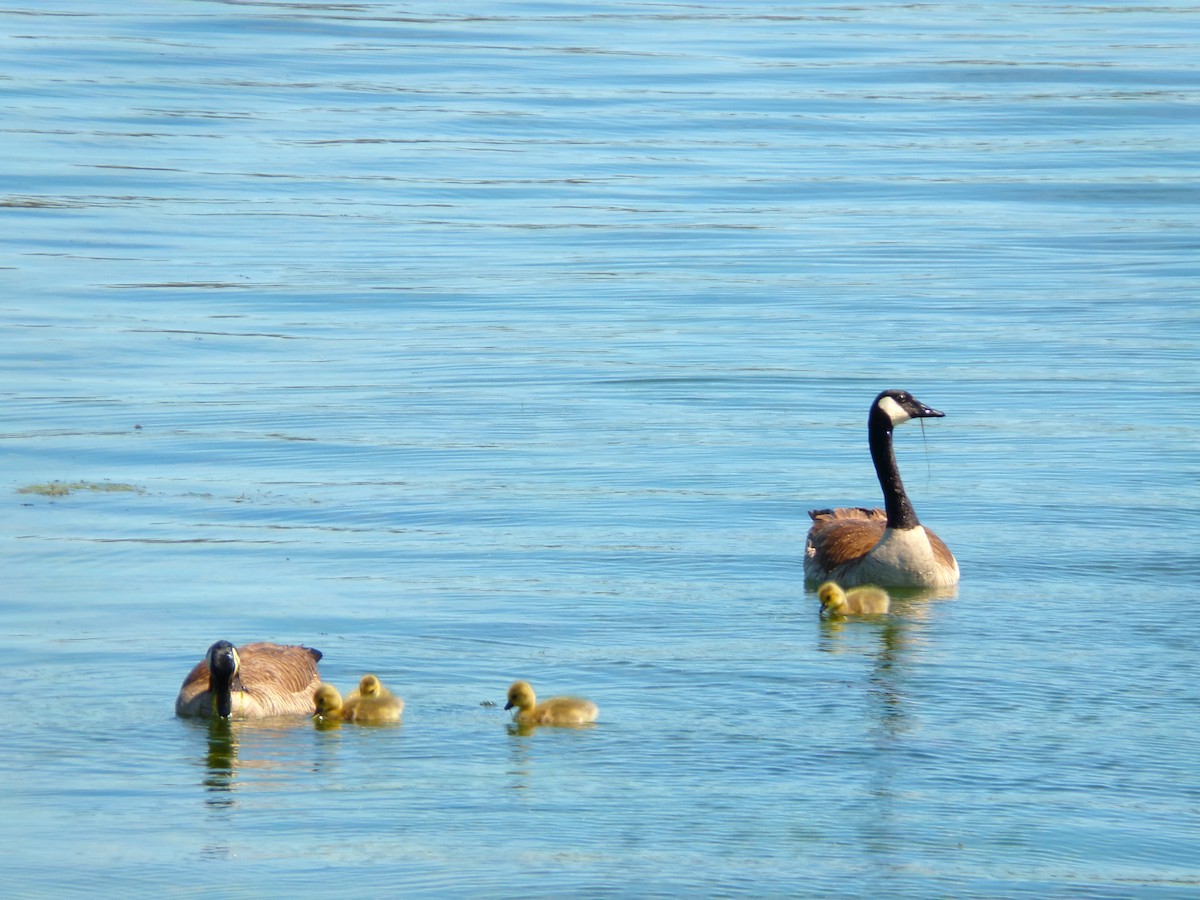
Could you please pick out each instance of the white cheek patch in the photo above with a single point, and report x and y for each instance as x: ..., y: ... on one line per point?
x: 893, y: 410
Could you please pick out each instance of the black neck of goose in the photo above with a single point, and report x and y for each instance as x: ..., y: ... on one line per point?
x: 900, y: 513
x: 221, y: 686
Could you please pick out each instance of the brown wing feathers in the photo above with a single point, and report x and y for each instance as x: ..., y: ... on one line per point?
x: 845, y: 534
x: 280, y: 678
x: 940, y: 551
x: 287, y: 669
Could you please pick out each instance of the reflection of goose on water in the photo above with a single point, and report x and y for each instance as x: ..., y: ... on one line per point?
x: 555, y: 711
x: 250, y: 682
x: 889, y: 546
x: 371, y: 703
x: 859, y: 601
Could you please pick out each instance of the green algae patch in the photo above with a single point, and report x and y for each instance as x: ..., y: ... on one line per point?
x: 62, y: 488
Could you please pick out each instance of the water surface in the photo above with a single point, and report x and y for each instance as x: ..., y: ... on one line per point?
x: 515, y: 341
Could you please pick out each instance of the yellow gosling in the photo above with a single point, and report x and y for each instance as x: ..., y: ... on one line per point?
x: 555, y: 711
x: 860, y: 601
x: 372, y: 704
x: 328, y: 702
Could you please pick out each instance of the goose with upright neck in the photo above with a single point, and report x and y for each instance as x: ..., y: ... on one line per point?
x: 888, y: 547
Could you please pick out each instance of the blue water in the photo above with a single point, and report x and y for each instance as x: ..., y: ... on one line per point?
x: 514, y: 340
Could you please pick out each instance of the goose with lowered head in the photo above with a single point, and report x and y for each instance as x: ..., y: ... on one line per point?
x: 889, y: 546
x: 252, y: 681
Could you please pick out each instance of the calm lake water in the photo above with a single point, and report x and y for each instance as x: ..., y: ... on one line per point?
x: 485, y: 341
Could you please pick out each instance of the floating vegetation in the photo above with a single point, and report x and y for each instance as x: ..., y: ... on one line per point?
x: 38, y: 203
x: 62, y: 488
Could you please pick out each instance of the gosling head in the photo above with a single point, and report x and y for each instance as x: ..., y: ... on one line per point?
x: 327, y: 701
x: 833, y: 598
x: 521, y: 696
x: 369, y: 686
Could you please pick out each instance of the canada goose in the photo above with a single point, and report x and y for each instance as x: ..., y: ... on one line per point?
x: 555, y: 711
x: 859, y: 601
x: 372, y: 703
x: 250, y: 682
x: 870, y: 546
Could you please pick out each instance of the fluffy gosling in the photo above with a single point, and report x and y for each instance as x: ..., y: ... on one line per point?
x: 555, y: 711
x: 860, y: 601
x: 372, y: 703
x: 328, y: 702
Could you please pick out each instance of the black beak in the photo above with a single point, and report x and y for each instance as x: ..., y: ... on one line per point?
x: 508, y: 705
x: 927, y: 412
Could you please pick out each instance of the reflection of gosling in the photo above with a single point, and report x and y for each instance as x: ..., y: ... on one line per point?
x: 555, y: 711
x: 372, y: 703
x: 861, y: 601
x: 328, y: 703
